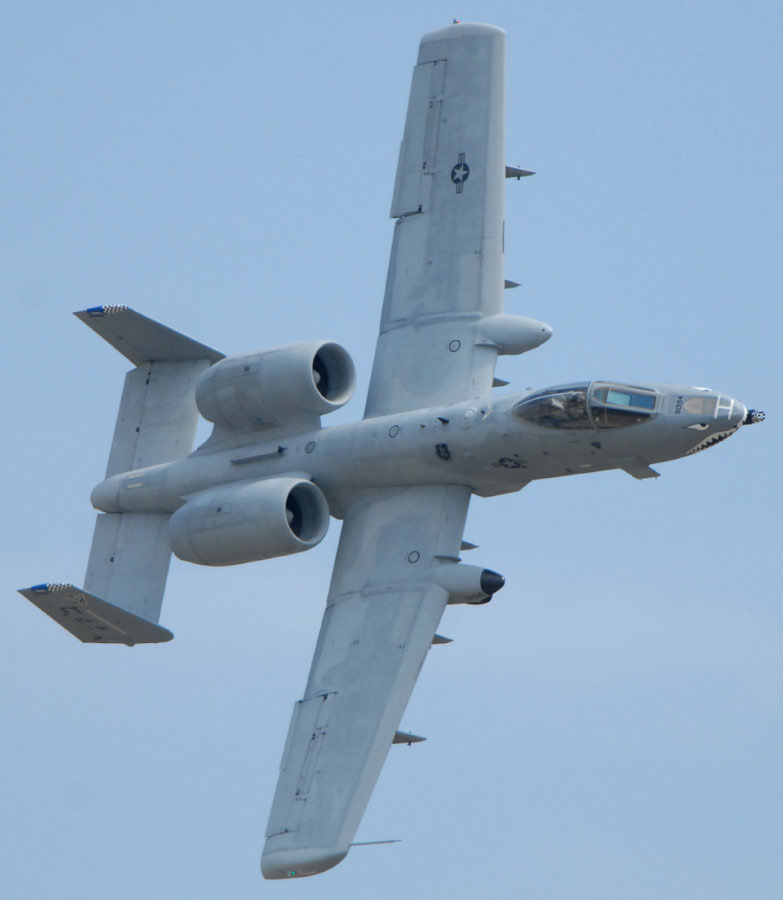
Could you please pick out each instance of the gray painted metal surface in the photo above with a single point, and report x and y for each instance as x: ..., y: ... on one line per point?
x: 446, y: 265
x: 156, y: 423
x: 91, y: 619
x: 157, y: 418
x: 129, y: 561
x: 142, y: 340
x: 401, y: 479
x: 381, y: 616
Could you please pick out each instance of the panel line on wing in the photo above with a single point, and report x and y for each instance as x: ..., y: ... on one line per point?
x: 418, y: 150
x: 323, y: 705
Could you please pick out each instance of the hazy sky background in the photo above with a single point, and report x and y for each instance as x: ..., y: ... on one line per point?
x: 609, y: 726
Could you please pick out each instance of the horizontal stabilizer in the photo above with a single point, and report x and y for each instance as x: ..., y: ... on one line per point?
x: 510, y: 285
x: 403, y: 737
x: 441, y: 639
x: 143, y: 340
x: 92, y: 620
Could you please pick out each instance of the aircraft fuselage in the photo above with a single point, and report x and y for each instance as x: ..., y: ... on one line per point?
x: 489, y: 445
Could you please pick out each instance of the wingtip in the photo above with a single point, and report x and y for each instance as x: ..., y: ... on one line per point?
x: 46, y: 587
x: 300, y: 863
x: 459, y: 30
x: 98, y: 312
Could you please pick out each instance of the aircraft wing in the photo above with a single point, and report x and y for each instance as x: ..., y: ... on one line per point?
x: 381, y: 616
x: 445, y: 282
x: 446, y: 267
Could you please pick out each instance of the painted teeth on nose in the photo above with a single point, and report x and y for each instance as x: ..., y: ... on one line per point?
x: 712, y: 440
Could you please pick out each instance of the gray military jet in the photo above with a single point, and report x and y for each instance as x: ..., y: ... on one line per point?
x: 269, y: 477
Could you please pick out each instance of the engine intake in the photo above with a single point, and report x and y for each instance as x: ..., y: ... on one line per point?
x: 273, y: 388
x: 244, y: 522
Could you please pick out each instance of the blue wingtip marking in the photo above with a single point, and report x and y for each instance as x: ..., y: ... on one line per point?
x: 40, y: 588
x: 95, y: 311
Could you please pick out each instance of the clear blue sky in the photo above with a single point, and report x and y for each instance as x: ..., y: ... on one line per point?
x: 609, y: 726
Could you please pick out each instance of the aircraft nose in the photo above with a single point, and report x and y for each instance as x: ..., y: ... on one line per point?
x: 729, y: 412
x: 738, y: 413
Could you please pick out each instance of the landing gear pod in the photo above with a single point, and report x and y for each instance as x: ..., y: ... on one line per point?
x: 249, y: 521
x: 468, y: 584
x: 511, y: 335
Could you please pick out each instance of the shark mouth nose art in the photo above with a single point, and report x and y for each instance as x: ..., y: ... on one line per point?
x: 712, y: 440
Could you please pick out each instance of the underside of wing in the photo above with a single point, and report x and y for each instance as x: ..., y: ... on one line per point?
x: 446, y: 266
x: 382, y: 614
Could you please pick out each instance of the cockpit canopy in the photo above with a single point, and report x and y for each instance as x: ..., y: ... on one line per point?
x: 596, y: 405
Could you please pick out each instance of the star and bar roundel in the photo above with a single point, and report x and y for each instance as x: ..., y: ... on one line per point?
x: 460, y: 172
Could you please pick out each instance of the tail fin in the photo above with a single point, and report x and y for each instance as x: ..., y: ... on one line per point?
x: 156, y: 423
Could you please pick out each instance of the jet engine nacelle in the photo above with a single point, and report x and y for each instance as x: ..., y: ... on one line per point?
x: 253, y: 520
x: 273, y: 388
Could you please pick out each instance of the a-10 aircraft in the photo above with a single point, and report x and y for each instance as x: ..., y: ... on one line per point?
x: 269, y: 477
